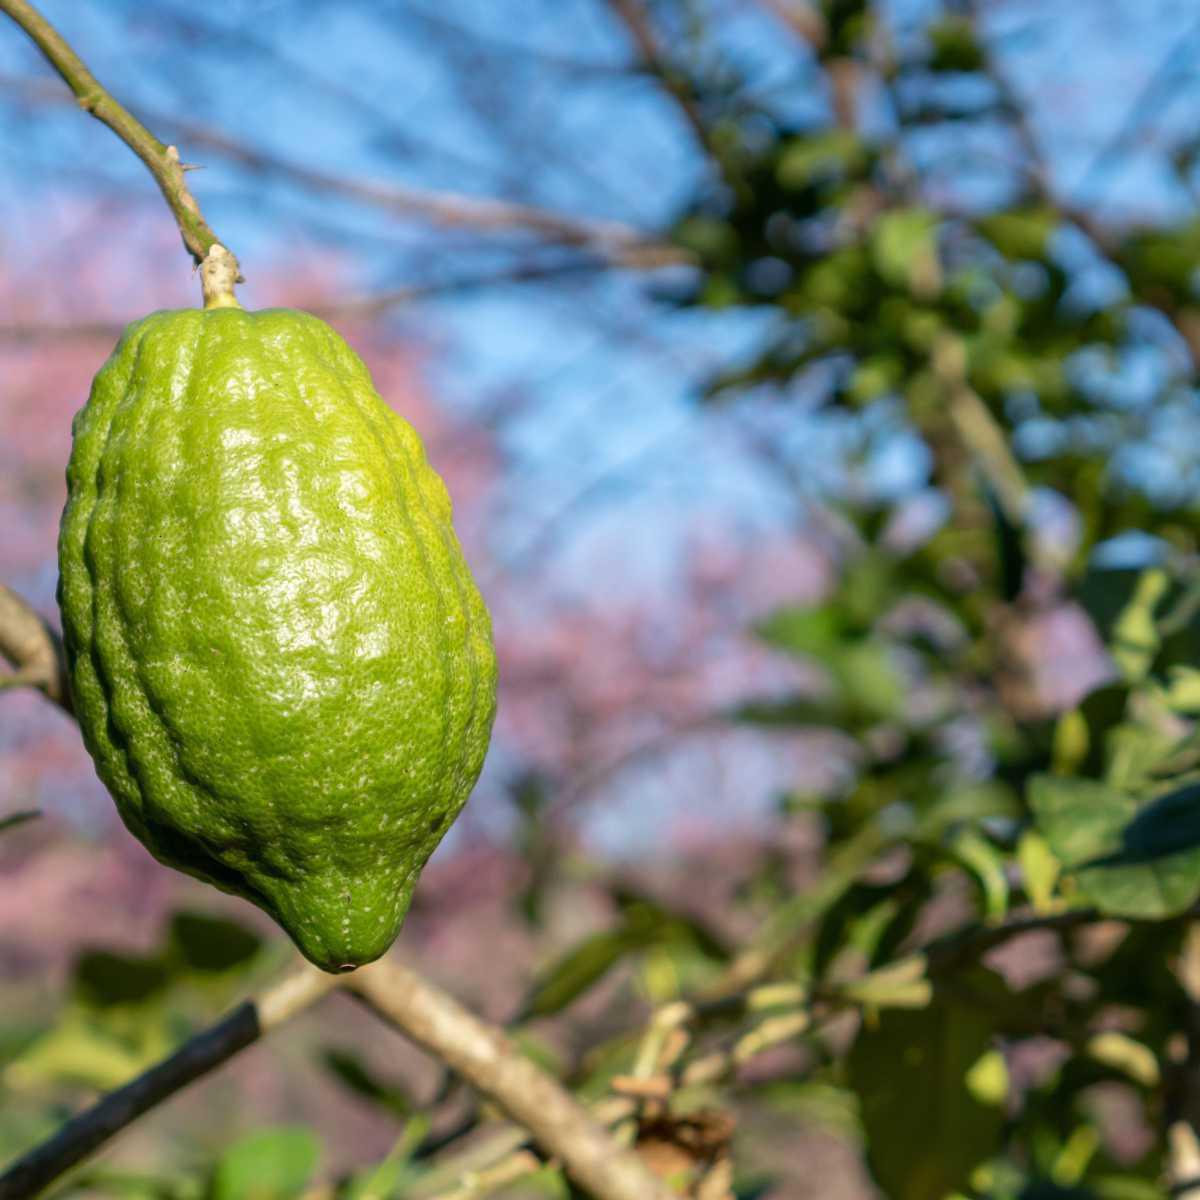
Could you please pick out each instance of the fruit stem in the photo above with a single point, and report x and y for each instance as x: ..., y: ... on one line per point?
x: 218, y: 274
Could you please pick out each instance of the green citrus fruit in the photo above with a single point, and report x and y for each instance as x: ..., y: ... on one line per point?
x: 280, y: 662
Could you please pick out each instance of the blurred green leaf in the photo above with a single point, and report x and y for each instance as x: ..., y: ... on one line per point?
x: 576, y: 972
x: 208, y: 943
x: 75, y: 1050
x: 12, y: 820
x: 954, y: 46
x: 814, y: 631
x: 904, y: 249
x: 823, y: 157
x: 269, y: 1164
x: 103, y: 978
x: 1021, y: 233
x: 349, y: 1069
x: 1127, y: 858
x: 924, y: 1128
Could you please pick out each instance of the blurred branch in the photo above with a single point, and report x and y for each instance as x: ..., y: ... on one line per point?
x: 33, y: 649
x: 481, y: 1053
x: 616, y: 243
x: 161, y: 160
x: 1037, y: 169
x: 361, y: 307
x: 1148, y: 103
x: 802, y: 18
x: 978, y: 431
x: 196, y: 1057
x: 637, y: 23
x: 485, y: 1057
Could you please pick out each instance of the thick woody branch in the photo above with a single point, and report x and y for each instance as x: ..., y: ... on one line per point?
x: 161, y: 160
x: 486, y: 1058
x: 33, y: 649
x: 87, y: 1132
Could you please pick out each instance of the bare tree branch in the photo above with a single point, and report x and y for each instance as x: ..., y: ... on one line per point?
x: 162, y: 160
x: 485, y: 1057
x: 618, y: 244
x: 481, y: 1053
x: 33, y: 649
x: 207, y: 1050
x: 804, y: 19
x: 637, y: 23
x: 367, y: 307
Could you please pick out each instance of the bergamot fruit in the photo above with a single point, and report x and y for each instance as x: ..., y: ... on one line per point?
x: 280, y: 662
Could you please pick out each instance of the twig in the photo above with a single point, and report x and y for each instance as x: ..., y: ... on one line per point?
x: 485, y: 1057
x: 33, y: 649
x: 637, y: 23
x: 196, y: 1057
x: 478, y: 1184
x: 162, y: 160
x: 802, y: 18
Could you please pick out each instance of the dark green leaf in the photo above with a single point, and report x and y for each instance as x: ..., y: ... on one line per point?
x: 577, y: 971
x: 1151, y: 872
x: 925, y: 1131
x: 18, y: 818
x: 103, y: 979
x: 812, y: 631
x: 354, y: 1074
x: 207, y: 943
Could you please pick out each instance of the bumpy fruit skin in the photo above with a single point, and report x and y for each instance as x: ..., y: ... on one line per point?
x: 280, y: 662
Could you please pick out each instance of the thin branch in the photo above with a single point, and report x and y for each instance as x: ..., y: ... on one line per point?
x: 1147, y: 105
x: 485, y: 1057
x: 802, y: 18
x: 368, y: 307
x: 637, y: 23
x: 161, y: 160
x: 616, y: 243
x: 481, y: 1053
x: 33, y: 649
x: 207, y: 1050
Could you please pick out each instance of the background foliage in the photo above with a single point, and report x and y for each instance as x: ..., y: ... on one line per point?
x: 926, y: 735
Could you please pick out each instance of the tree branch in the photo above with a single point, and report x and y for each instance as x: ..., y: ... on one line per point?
x: 34, y: 650
x: 637, y: 24
x: 486, y: 1058
x: 616, y: 243
x: 433, y: 1019
x: 161, y: 160
x: 88, y: 1131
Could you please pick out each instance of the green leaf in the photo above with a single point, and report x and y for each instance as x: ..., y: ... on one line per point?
x: 987, y: 865
x: 354, y: 1074
x: 867, y: 676
x: 207, y: 943
x: 901, y: 984
x: 904, y: 249
x: 12, y: 820
x: 822, y: 158
x: 813, y: 631
x: 925, y: 1129
x: 1022, y: 234
x: 103, y: 979
x: 788, y: 711
x: 269, y: 1164
x: 1128, y: 859
x: 577, y: 971
x: 954, y: 46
